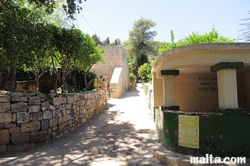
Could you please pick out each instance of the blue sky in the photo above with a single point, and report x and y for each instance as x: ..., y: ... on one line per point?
x: 115, y: 18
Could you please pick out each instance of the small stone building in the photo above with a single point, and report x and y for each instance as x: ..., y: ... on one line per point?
x: 201, y: 99
x: 201, y: 77
x: 115, y: 71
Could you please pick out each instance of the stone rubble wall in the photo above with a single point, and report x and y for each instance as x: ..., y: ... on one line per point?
x: 30, y: 118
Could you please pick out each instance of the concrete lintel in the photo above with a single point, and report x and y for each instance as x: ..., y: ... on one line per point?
x: 168, y: 72
x: 226, y: 65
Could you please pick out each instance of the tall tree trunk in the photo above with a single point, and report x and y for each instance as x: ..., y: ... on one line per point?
x: 74, y: 80
x: 85, y: 79
x: 37, y: 79
x: 5, y: 81
x: 64, y: 89
x: 13, y: 76
x: 1, y: 78
x: 58, y: 73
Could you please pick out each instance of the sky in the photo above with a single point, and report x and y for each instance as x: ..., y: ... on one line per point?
x: 115, y: 18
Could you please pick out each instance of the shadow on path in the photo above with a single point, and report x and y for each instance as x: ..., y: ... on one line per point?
x: 119, y: 135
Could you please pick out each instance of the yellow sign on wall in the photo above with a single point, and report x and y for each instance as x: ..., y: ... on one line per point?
x: 188, y: 135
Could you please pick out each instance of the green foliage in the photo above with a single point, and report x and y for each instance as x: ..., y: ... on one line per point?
x: 140, y: 47
x: 195, y: 38
x: 28, y: 43
x: 142, y: 60
x: 145, y: 88
x: 132, y: 79
x: 144, y: 72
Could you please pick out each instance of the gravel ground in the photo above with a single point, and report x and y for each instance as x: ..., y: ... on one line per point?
x: 119, y: 135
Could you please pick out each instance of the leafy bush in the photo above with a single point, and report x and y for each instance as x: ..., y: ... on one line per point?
x: 132, y: 79
x: 144, y: 72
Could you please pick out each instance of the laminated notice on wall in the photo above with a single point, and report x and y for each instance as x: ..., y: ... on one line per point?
x: 188, y: 135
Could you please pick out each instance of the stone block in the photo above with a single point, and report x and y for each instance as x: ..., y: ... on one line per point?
x: 15, y: 130
x: 54, y: 128
x: 45, y: 106
x: 58, y: 114
x: 53, y: 135
x: 70, y: 114
x: 14, y: 116
x: 1, y: 126
x: 47, y: 137
x: 16, y: 94
x: 5, y: 117
x: 63, y: 126
x: 34, y: 133
x: 42, y: 133
x: 34, y: 100
x: 22, y: 117
x: 59, y: 100
x: 45, y: 124
x: 34, y: 108
x: 4, y: 99
x: 19, y: 107
x: 69, y: 106
x: 53, y: 122
x: 64, y: 112
x: 52, y: 107
x: 17, y: 138
x: 19, y: 99
x: 20, y: 147
x: 70, y: 99
x: 76, y: 97
x: 61, y: 119
x: 4, y: 107
x: 4, y: 136
x: 3, y: 148
x: 9, y: 125
x: 35, y: 139
x: 31, y: 126
x: 49, y: 131
x: 87, y: 102
x: 36, y: 116
x: 47, y: 114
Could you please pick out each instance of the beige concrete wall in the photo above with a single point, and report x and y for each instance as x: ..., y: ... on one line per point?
x: 157, y: 91
x: 246, y: 92
x: 189, y: 98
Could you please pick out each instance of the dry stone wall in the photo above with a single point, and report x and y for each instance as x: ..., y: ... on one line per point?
x: 30, y: 118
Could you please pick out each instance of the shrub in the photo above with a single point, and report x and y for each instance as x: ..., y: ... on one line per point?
x: 132, y: 79
x: 144, y: 72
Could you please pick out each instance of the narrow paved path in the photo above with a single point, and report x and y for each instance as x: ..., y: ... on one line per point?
x: 119, y: 135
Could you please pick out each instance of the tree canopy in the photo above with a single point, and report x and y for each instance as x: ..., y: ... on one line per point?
x: 29, y: 43
x: 195, y: 38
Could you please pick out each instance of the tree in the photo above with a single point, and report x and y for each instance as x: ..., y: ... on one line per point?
x: 139, y: 46
x: 75, y: 51
x: 246, y: 31
x: 195, y: 38
x: 97, y: 39
x: 70, y: 7
x: 18, y: 35
x: 106, y: 42
x: 139, y: 37
x: 117, y: 42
